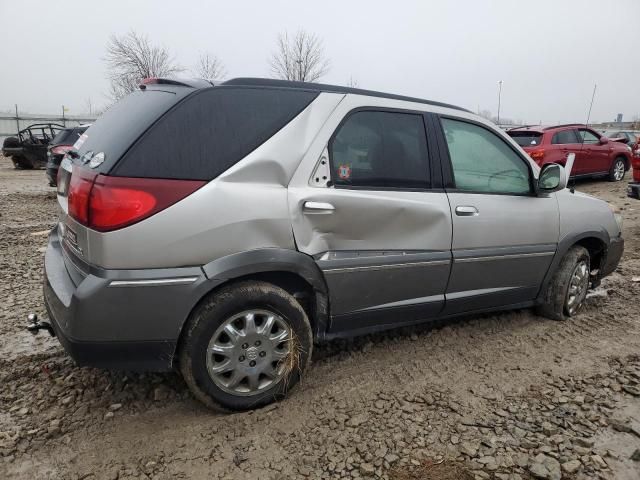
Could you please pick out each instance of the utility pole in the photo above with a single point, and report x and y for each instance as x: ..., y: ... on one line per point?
x: 299, y: 62
x: 63, y: 121
x: 499, y: 98
x: 17, y: 118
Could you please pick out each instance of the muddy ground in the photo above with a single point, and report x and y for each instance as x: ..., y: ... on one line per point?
x: 507, y: 396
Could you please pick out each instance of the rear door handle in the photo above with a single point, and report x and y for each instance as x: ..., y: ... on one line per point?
x: 318, y: 207
x: 466, y: 211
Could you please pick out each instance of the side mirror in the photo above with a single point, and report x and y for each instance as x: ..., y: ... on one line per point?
x: 553, y: 177
x: 604, y: 140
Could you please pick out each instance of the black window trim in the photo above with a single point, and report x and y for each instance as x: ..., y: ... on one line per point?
x: 429, y: 160
x: 447, y: 166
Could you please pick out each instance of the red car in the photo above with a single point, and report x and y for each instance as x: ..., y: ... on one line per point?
x: 633, y: 190
x: 596, y: 155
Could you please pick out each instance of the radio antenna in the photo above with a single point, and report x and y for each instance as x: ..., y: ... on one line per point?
x: 593, y: 96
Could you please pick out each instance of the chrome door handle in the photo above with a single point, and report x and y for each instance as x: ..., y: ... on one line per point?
x: 318, y: 207
x: 466, y: 211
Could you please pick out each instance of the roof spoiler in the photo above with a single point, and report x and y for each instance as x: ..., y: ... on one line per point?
x: 191, y: 83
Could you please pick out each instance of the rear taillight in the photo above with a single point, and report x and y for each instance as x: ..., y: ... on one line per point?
x: 111, y: 203
x: 78, y: 195
x: 537, y: 156
x: 61, y: 149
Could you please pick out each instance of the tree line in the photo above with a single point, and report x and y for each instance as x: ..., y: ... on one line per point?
x: 132, y: 57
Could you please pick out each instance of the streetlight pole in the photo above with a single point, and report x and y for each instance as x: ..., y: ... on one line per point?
x: 499, y: 98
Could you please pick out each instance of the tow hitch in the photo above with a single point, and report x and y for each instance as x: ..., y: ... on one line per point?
x: 35, y: 325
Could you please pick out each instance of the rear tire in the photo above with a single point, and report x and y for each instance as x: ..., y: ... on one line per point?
x: 618, y: 170
x: 21, y: 163
x: 567, y: 290
x: 245, y: 346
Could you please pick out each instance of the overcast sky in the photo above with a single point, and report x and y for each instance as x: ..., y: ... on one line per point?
x: 548, y: 53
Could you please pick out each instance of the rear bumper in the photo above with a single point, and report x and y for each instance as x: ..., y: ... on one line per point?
x: 633, y: 190
x: 614, y: 254
x: 118, y: 318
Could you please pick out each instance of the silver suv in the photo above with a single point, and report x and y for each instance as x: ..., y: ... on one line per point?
x: 223, y: 230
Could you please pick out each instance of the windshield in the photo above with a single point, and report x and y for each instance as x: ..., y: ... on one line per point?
x: 526, y: 139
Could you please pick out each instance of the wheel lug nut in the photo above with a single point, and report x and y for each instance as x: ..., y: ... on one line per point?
x: 245, y: 345
x: 241, y: 358
x: 262, y: 354
x: 252, y: 363
x: 257, y: 343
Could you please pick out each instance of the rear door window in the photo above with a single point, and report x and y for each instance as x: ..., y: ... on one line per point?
x: 380, y: 150
x: 210, y: 131
x: 564, y: 137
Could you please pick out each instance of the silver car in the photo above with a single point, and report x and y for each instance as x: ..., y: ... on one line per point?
x: 223, y: 230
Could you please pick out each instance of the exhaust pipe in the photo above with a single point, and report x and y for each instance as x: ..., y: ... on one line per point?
x: 35, y: 325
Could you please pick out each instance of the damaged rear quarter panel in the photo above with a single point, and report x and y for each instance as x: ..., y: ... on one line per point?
x: 243, y: 209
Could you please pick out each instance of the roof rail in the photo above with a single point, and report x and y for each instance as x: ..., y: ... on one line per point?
x: 273, y: 83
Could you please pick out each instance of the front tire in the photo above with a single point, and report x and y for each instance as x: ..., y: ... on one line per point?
x: 618, y: 169
x: 567, y: 290
x: 245, y: 346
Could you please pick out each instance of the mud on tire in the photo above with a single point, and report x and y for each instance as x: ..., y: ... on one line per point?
x: 554, y: 305
x: 209, y: 323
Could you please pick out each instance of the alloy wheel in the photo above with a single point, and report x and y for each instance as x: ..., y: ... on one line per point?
x: 618, y: 172
x: 246, y: 354
x: 578, y: 286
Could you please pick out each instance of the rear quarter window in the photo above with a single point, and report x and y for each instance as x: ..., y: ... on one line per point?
x: 210, y: 131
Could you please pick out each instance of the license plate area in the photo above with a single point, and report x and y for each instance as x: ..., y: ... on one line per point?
x: 70, y: 239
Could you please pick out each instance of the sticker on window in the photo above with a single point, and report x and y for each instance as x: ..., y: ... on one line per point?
x: 80, y: 141
x: 344, y: 172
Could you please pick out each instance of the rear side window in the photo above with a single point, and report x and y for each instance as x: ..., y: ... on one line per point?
x: 482, y: 162
x: 210, y: 131
x: 564, y: 137
x: 526, y: 139
x: 380, y: 149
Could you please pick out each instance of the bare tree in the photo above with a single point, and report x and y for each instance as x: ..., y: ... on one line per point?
x: 209, y: 67
x: 300, y: 57
x: 131, y: 58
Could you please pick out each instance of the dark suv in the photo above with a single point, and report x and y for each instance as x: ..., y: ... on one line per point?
x: 596, y: 155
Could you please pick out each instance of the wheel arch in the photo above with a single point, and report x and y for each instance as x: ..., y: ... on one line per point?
x: 595, y: 241
x: 290, y: 270
x: 625, y: 158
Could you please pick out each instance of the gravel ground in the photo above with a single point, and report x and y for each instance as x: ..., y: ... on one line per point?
x: 507, y: 396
